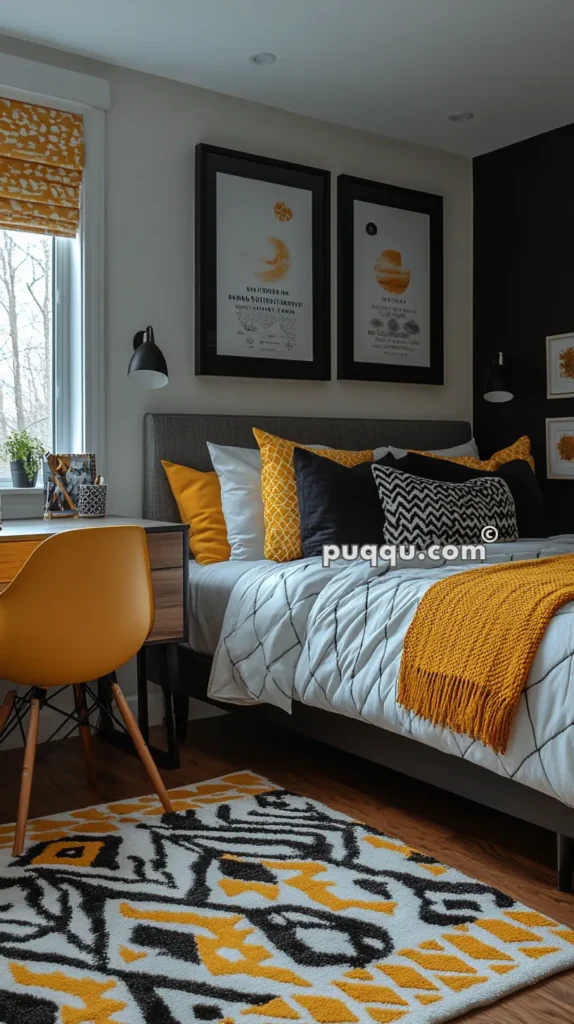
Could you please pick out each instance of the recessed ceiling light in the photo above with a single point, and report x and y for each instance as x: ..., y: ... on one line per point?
x: 263, y: 58
x: 465, y: 115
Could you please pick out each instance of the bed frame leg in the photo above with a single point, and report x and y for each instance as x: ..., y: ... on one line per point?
x: 564, y: 862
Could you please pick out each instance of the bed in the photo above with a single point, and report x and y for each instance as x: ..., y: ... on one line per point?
x: 533, y: 783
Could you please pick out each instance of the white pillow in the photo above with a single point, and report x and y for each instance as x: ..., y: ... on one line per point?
x: 468, y: 448
x: 239, y: 472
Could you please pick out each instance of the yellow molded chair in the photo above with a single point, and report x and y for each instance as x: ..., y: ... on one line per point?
x: 81, y: 606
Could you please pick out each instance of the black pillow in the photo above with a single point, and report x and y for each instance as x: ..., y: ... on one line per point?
x: 518, y: 474
x: 337, y: 504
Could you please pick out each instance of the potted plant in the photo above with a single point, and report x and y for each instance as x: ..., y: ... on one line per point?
x: 25, y: 453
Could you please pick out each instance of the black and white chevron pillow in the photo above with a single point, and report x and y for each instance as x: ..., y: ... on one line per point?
x: 423, y: 512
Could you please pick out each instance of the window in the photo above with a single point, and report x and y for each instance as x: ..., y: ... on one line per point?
x: 51, y: 287
x: 26, y: 338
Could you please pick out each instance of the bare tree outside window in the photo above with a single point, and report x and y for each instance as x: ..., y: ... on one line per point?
x: 26, y: 262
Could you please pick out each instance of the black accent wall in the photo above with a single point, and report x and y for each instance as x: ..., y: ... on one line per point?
x: 524, y: 291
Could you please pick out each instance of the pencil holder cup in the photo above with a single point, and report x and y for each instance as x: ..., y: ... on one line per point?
x: 91, y: 501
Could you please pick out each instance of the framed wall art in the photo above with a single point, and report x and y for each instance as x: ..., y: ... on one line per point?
x: 390, y: 283
x: 560, y: 449
x: 262, y: 267
x: 560, y: 366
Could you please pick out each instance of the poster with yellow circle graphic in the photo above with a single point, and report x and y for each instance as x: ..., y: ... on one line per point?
x: 392, y: 321
x: 264, y: 269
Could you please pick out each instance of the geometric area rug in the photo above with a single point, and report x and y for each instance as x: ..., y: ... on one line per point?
x: 250, y: 904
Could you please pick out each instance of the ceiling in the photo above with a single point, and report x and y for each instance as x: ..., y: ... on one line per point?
x: 394, y: 67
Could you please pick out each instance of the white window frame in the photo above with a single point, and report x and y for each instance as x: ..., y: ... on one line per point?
x: 79, y: 272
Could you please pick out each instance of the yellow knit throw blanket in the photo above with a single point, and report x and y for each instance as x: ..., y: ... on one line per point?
x: 469, y: 648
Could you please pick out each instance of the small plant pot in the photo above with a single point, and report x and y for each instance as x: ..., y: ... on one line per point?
x: 19, y: 475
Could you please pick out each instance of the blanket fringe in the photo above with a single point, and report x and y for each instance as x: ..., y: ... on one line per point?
x: 462, y: 705
x: 470, y: 646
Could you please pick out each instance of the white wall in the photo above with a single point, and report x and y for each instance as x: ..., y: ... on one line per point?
x: 152, y: 129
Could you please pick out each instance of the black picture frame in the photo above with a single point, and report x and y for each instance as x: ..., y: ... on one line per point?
x: 350, y: 189
x: 209, y: 161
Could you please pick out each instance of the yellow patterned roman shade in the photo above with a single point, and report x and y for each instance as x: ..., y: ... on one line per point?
x: 41, y: 162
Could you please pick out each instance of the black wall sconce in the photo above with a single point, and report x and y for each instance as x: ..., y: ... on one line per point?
x: 147, y: 365
x: 497, y: 383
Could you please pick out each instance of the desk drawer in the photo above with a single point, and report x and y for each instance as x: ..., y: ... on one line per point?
x: 165, y: 550
x: 169, y: 604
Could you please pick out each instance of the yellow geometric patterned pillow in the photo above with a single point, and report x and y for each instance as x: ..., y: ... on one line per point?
x: 519, y: 450
x: 279, y: 491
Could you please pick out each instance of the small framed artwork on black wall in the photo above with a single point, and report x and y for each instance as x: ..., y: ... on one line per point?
x: 560, y: 366
x: 560, y: 449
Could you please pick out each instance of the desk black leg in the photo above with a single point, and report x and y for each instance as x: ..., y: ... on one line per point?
x: 168, y: 684
x: 181, y: 708
x: 143, y: 712
x: 169, y: 758
x: 165, y: 759
x: 180, y: 700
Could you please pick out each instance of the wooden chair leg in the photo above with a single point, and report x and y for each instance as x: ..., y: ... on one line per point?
x: 6, y: 709
x: 27, y: 774
x: 138, y: 742
x: 85, y: 732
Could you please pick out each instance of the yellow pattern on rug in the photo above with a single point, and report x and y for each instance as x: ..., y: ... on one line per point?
x: 468, y: 650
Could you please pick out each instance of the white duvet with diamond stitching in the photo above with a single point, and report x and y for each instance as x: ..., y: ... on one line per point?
x: 333, y: 638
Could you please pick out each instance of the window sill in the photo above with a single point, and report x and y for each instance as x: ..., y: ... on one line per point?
x: 22, y: 502
x: 8, y: 489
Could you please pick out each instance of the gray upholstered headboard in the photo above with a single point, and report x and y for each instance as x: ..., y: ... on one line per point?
x: 181, y: 438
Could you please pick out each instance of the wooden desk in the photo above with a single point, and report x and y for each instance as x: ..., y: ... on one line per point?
x: 168, y: 549
x: 168, y: 554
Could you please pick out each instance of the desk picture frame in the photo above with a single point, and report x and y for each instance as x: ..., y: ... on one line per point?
x: 63, y: 475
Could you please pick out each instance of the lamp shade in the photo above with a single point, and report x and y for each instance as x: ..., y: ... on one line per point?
x: 497, y: 383
x: 147, y: 365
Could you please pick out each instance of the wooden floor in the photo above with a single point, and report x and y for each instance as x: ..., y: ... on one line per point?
x: 492, y: 847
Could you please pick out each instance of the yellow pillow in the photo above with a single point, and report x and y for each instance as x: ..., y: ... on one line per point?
x: 519, y: 450
x: 198, y: 498
x: 279, y: 491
